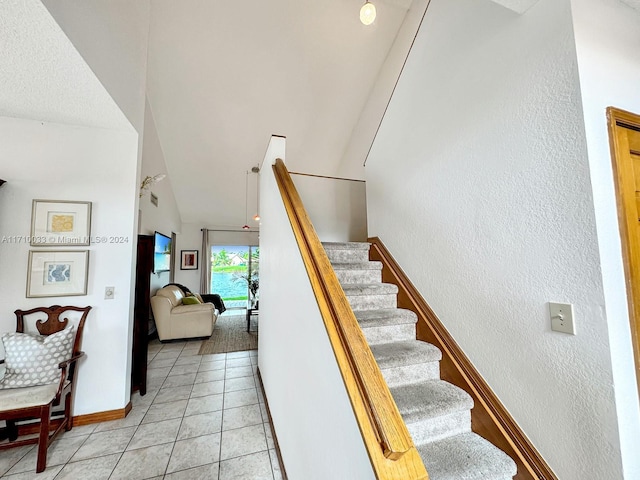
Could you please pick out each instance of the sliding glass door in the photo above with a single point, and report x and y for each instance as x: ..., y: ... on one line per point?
x: 235, y: 274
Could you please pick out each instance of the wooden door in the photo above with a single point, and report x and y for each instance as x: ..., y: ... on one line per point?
x: 624, y: 135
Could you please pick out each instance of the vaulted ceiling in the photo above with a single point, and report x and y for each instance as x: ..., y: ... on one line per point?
x: 223, y: 76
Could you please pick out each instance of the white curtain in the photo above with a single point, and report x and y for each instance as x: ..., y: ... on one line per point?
x: 205, y: 255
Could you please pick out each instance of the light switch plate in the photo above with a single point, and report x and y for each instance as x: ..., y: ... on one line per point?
x: 109, y: 293
x: 562, y: 319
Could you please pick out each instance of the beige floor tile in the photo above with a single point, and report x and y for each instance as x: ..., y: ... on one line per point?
x: 256, y: 466
x: 242, y: 354
x: 49, y: 474
x: 208, y: 366
x: 269, y: 434
x: 208, y: 388
x: 172, y: 394
x: 242, y: 441
x: 241, y: 417
x: 275, y: 465
x: 213, y: 357
x: 179, y: 380
x: 242, y: 383
x: 240, y: 398
x: 91, y: 469
x: 58, y: 453
x: 203, y: 424
x: 239, y: 362
x: 205, y: 472
x: 193, y: 359
x: 105, y: 443
x: 209, y: 376
x: 184, y: 369
x: 143, y: 463
x: 78, y: 431
x: 208, y: 403
x: 155, y: 434
x: 165, y: 411
x: 237, y: 372
x: 160, y: 372
x: 166, y: 355
x: 194, y: 452
x: 161, y: 362
x: 264, y: 412
x: 10, y: 457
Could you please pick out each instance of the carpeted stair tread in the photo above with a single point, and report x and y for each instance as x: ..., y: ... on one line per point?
x: 400, y: 354
x: 346, y: 245
x: 466, y: 457
x: 385, y: 316
x: 370, y: 289
x: 430, y: 399
x: 357, y: 266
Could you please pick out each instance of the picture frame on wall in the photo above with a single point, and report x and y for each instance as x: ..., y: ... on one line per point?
x: 188, y: 259
x: 60, y: 223
x: 57, y: 273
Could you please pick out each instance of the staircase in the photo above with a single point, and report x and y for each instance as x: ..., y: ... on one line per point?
x: 437, y: 413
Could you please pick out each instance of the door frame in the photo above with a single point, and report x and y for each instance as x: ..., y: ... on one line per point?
x: 617, y: 120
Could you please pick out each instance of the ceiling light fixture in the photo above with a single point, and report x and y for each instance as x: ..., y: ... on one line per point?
x: 246, y: 202
x: 368, y: 13
x: 148, y: 182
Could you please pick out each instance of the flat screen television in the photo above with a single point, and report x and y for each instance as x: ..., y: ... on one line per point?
x: 161, y: 253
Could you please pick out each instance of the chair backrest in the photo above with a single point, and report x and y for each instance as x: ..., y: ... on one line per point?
x: 53, y: 324
x: 173, y: 293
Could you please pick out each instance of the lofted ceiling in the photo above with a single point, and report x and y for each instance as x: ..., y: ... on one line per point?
x: 223, y: 76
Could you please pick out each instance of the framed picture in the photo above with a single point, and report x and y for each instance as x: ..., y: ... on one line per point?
x: 57, y: 273
x: 188, y: 259
x: 60, y: 222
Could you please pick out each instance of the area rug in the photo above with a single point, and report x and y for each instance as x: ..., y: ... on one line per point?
x: 230, y: 335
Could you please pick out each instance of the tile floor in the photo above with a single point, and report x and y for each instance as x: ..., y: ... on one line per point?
x: 203, y: 417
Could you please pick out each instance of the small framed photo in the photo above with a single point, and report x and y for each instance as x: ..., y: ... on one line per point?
x: 58, y: 273
x: 188, y: 259
x: 60, y: 222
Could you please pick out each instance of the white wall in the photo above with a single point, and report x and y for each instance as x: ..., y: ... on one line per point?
x: 609, y: 67
x: 337, y: 207
x: 112, y: 37
x: 165, y: 217
x: 312, y: 416
x: 62, y: 162
x: 479, y: 184
x: 190, y: 238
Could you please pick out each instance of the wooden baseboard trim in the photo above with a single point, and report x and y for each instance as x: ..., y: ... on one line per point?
x: 105, y: 416
x: 79, y: 420
x: 489, y: 418
x: 273, y: 431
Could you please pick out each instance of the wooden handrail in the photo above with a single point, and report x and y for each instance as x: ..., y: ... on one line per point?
x: 489, y: 418
x: 389, y: 445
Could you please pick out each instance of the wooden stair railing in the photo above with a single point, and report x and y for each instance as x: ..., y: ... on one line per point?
x: 389, y: 445
x: 489, y: 418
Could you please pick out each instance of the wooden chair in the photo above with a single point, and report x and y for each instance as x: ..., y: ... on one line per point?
x: 37, y: 402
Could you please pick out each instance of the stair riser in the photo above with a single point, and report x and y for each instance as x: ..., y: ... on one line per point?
x: 433, y: 429
x: 372, y: 302
x: 390, y: 333
x: 347, y: 256
x: 397, y: 376
x: 358, y: 276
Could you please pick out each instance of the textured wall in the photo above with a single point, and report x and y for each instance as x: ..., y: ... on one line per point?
x: 314, y: 422
x: 479, y: 183
x: 609, y: 67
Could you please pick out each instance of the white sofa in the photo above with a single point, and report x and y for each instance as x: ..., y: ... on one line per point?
x: 175, y: 320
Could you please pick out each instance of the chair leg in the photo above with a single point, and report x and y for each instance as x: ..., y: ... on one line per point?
x: 43, y: 441
x: 12, y: 430
x: 67, y: 412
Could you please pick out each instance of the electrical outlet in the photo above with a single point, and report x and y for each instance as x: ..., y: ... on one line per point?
x: 562, y: 318
x: 109, y: 293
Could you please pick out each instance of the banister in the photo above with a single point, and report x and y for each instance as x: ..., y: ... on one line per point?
x: 390, y: 447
